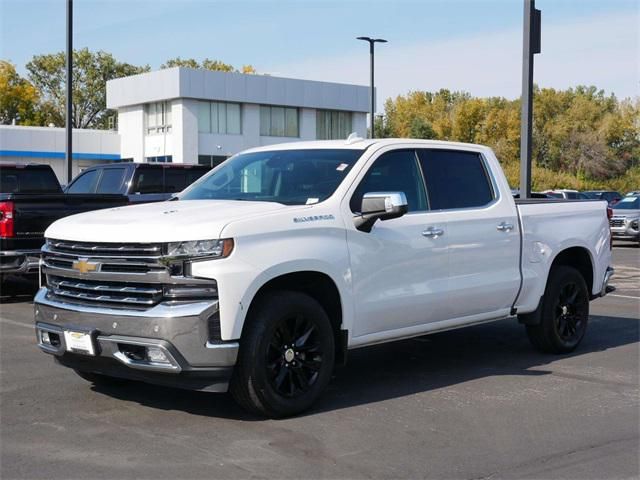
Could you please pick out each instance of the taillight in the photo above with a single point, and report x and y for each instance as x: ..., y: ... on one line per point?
x: 6, y: 219
x: 609, y: 213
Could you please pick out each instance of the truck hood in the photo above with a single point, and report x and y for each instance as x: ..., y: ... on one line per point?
x: 158, y: 222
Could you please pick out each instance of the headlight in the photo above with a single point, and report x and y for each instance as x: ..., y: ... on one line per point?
x: 635, y: 223
x: 201, y: 248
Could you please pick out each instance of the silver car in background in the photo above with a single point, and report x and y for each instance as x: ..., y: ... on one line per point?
x: 625, y: 222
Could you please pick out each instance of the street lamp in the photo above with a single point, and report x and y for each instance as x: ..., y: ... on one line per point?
x: 372, y: 41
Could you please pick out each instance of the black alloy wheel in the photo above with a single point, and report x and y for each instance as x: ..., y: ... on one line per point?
x: 570, y: 313
x: 294, y: 356
x: 286, y: 356
x: 564, y: 312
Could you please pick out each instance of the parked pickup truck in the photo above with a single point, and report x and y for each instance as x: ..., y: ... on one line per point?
x: 261, y: 276
x: 625, y: 221
x: 141, y: 182
x: 30, y: 200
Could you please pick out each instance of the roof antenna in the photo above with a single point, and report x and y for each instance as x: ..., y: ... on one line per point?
x: 353, y: 138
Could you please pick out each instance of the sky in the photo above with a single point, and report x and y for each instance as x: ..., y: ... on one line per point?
x: 470, y: 45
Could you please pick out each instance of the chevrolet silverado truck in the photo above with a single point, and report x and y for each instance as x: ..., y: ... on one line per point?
x: 260, y: 276
x: 30, y: 200
x: 625, y: 220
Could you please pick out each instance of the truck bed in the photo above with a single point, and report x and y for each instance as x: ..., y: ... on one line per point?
x: 550, y: 226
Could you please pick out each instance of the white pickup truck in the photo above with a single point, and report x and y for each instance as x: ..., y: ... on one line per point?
x: 259, y: 277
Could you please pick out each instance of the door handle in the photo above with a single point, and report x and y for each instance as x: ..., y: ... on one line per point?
x: 433, y: 232
x: 505, y: 227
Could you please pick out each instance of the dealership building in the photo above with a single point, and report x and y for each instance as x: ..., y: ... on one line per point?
x: 185, y: 115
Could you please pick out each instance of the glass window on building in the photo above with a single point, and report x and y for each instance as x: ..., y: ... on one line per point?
x: 219, y: 117
x: 333, y: 124
x: 160, y: 159
x: 211, y: 160
x: 158, y: 117
x: 279, y: 121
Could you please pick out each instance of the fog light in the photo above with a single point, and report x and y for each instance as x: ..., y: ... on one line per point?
x: 44, y: 336
x: 156, y: 355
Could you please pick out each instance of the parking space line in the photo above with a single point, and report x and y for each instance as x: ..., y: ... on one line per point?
x: 623, y: 296
x: 17, y: 324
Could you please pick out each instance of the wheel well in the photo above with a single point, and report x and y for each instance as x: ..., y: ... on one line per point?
x: 578, y: 258
x: 320, y: 287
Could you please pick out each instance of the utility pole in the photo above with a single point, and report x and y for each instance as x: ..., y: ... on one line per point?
x: 68, y: 122
x: 372, y: 42
x: 531, y: 44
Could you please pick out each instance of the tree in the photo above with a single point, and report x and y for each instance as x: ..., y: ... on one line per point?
x: 207, y: 64
x: 91, y: 71
x: 18, y: 97
x: 420, y: 128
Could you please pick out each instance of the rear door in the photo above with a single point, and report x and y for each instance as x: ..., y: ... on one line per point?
x: 482, y: 231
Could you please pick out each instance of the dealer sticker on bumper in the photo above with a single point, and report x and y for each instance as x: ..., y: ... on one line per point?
x: 79, y: 342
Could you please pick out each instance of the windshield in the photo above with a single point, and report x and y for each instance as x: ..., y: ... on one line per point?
x: 628, y: 203
x: 291, y: 177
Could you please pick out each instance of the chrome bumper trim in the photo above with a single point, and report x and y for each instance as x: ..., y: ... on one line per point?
x: 606, y: 288
x: 113, y: 341
x: 30, y: 264
x: 181, y: 328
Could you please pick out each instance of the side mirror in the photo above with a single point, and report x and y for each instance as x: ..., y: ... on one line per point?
x: 380, y: 205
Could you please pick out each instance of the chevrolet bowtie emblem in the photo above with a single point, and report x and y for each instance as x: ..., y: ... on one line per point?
x: 84, y: 266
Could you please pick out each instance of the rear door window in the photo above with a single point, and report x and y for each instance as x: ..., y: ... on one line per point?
x: 148, y: 179
x: 85, y: 182
x: 175, y: 179
x: 111, y: 180
x: 455, y: 179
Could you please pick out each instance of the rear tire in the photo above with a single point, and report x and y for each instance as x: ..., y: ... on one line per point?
x: 564, y: 312
x: 286, y: 356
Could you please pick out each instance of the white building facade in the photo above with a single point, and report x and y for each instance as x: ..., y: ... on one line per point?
x: 184, y: 115
x: 46, y: 145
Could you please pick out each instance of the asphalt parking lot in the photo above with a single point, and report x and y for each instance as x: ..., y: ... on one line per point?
x: 474, y: 403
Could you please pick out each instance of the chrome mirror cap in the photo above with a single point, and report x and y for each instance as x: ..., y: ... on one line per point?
x: 382, y: 206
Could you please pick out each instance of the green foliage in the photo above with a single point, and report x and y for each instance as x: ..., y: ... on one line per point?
x: 91, y: 71
x: 582, y: 138
x: 207, y: 64
x: 18, y: 97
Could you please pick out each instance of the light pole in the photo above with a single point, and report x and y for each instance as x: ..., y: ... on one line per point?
x: 68, y: 122
x: 530, y: 47
x: 372, y: 42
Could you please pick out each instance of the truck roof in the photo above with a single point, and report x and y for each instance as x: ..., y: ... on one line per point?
x: 359, y: 144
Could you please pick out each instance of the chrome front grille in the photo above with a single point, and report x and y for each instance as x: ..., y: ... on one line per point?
x: 108, y: 249
x: 131, y: 276
x: 616, y: 222
x: 89, y: 291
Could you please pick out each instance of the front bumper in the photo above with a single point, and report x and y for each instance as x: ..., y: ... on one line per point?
x: 19, y: 261
x: 179, y: 332
x: 625, y: 232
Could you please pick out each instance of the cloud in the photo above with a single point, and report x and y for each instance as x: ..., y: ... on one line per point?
x: 601, y: 51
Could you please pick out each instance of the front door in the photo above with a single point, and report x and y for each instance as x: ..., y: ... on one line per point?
x: 399, y: 270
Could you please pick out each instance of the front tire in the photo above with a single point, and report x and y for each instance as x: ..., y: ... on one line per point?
x: 565, y: 312
x: 286, y: 355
